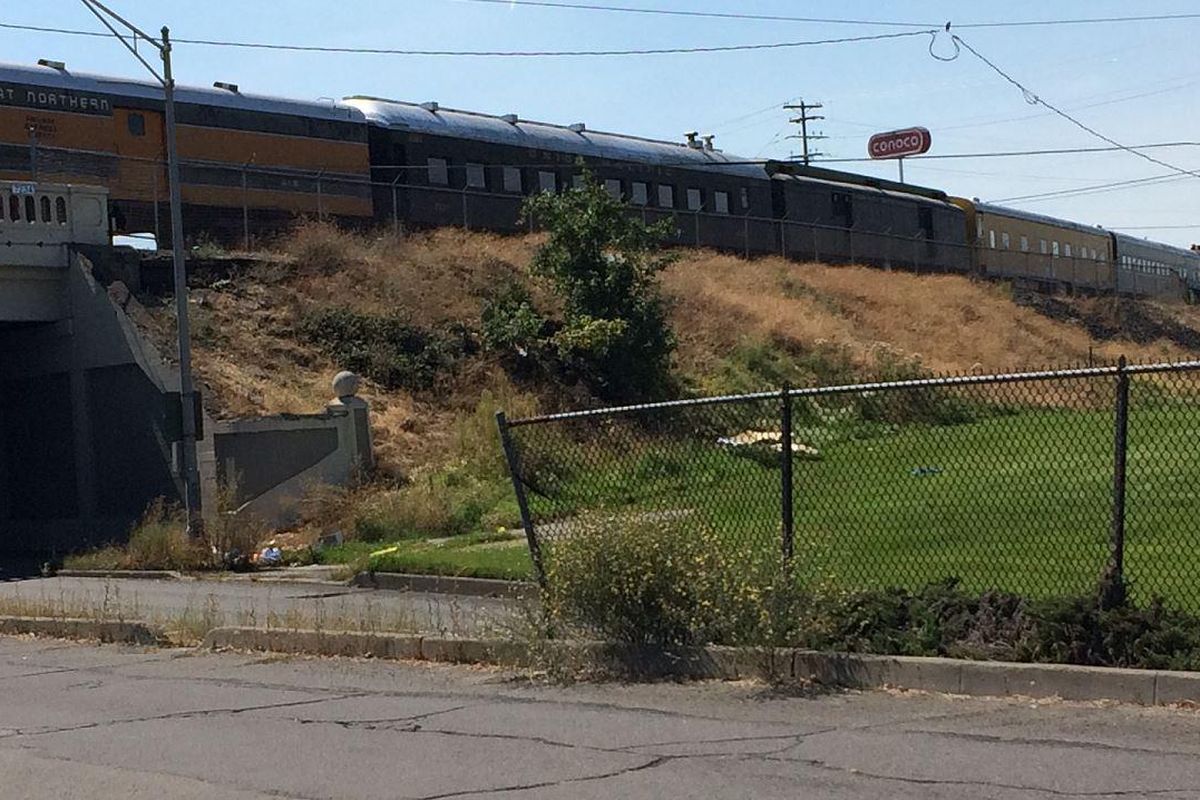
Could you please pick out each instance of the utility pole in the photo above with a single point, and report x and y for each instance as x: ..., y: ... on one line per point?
x: 189, y: 464
x: 806, y: 116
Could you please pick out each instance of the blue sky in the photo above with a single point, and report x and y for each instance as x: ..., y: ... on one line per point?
x: 1137, y: 83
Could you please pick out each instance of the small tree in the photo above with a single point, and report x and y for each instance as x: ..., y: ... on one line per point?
x: 604, y: 263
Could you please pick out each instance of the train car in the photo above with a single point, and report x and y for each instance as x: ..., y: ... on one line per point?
x: 1049, y: 253
x: 1151, y: 269
x: 437, y: 166
x: 838, y: 217
x: 246, y: 160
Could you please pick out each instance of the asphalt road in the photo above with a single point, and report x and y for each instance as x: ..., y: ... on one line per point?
x: 78, y: 721
x: 244, y: 602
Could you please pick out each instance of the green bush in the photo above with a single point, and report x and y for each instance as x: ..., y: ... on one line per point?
x: 385, y: 347
x: 664, y: 583
x: 604, y: 263
x: 510, y: 322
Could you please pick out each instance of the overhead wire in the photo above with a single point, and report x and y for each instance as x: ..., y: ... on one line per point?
x: 387, y: 51
x: 736, y: 15
x: 1034, y: 99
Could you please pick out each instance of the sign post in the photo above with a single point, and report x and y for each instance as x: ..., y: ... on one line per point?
x: 899, y: 144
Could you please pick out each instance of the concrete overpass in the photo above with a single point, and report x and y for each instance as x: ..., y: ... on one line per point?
x: 85, y: 423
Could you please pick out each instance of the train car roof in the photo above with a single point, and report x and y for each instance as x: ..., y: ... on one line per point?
x: 1126, y: 240
x: 575, y: 139
x: 1003, y: 211
x: 67, y: 79
x: 865, y: 187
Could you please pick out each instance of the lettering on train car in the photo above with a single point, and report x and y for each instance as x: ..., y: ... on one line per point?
x: 41, y: 97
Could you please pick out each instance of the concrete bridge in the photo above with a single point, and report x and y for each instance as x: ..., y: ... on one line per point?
x: 89, y: 411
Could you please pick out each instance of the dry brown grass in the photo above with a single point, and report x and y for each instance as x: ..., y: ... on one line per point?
x: 950, y: 323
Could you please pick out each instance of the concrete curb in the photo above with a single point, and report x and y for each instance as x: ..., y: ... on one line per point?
x: 946, y: 675
x: 135, y: 574
x: 442, y: 584
x: 68, y: 628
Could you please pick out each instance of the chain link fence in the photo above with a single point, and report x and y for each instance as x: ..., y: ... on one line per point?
x: 1035, y: 483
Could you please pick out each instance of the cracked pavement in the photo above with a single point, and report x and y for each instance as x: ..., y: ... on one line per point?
x: 78, y: 721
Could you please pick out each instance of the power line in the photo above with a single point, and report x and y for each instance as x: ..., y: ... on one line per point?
x: 726, y: 15
x: 702, y: 14
x: 1058, y: 151
x: 1034, y: 99
x: 381, y: 51
x: 1103, y: 188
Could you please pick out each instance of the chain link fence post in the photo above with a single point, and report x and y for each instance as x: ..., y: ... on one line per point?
x: 785, y: 470
x: 514, y: 470
x: 1113, y: 584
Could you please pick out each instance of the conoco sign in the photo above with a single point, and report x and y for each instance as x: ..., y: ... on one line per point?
x: 900, y: 144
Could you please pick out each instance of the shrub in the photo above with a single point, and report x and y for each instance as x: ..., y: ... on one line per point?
x: 510, y: 321
x: 665, y: 583
x: 321, y: 248
x: 386, y: 347
x: 604, y: 263
x: 159, y: 541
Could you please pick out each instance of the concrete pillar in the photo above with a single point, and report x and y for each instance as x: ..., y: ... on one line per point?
x: 345, y: 387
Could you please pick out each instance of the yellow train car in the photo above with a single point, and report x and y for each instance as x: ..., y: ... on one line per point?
x: 1042, y: 251
x: 245, y: 160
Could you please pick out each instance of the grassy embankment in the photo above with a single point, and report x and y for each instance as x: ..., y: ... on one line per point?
x: 442, y: 496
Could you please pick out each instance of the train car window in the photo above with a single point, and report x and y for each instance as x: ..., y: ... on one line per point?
x: 547, y: 182
x: 475, y: 176
x: 578, y: 181
x: 925, y: 222
x: 1005, y: 241
x: 843, y: 209
x: 438, y: 170
x: 45, y: 203
x: 60, y: 210
x: 512, y: 179
x: 745, y: 198
x: 639, y: 194
x: 1067, y: 249
x: 1054, y: 249
x: 14, y: 208
x: 992, y: 239
x: 136, y: 124
x: 30, y: 210
x: 1024, y: 244
x: 695, y: 200
x: 1043, y: 244
x: 666, y: 196
x: 721, y: 202
x: 613, y: 186
x: 979, y: 228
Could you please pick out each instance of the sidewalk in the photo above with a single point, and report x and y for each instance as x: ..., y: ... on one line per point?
x: 256, y: 603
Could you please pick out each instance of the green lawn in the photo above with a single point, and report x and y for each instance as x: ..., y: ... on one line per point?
x: 480, y: 555
x: 1016, y: 501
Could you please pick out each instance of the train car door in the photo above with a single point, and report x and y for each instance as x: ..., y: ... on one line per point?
x: 139, y: 194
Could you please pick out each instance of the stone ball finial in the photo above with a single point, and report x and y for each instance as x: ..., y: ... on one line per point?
x: 345, y: 384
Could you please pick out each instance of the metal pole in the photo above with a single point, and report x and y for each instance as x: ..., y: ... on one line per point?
x: 1114, y: 589
x: 395, y: 207
x: 187, y: 448
x: 785, y: 464
x: 157, y: 232
x: 320, y: 200
x: 900, y: 161
x: 514, y: 470
x: 33, y: 159
x: 245, y: 214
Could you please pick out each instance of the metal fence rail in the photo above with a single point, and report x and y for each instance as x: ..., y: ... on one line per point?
x: 1036, y: 483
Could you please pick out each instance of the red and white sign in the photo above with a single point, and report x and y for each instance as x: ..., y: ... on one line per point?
x: 899, y: 144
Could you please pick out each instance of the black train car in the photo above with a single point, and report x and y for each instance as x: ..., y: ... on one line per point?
x: 839, y: 217
x: 439, y: 166
x: 1150, y: 269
